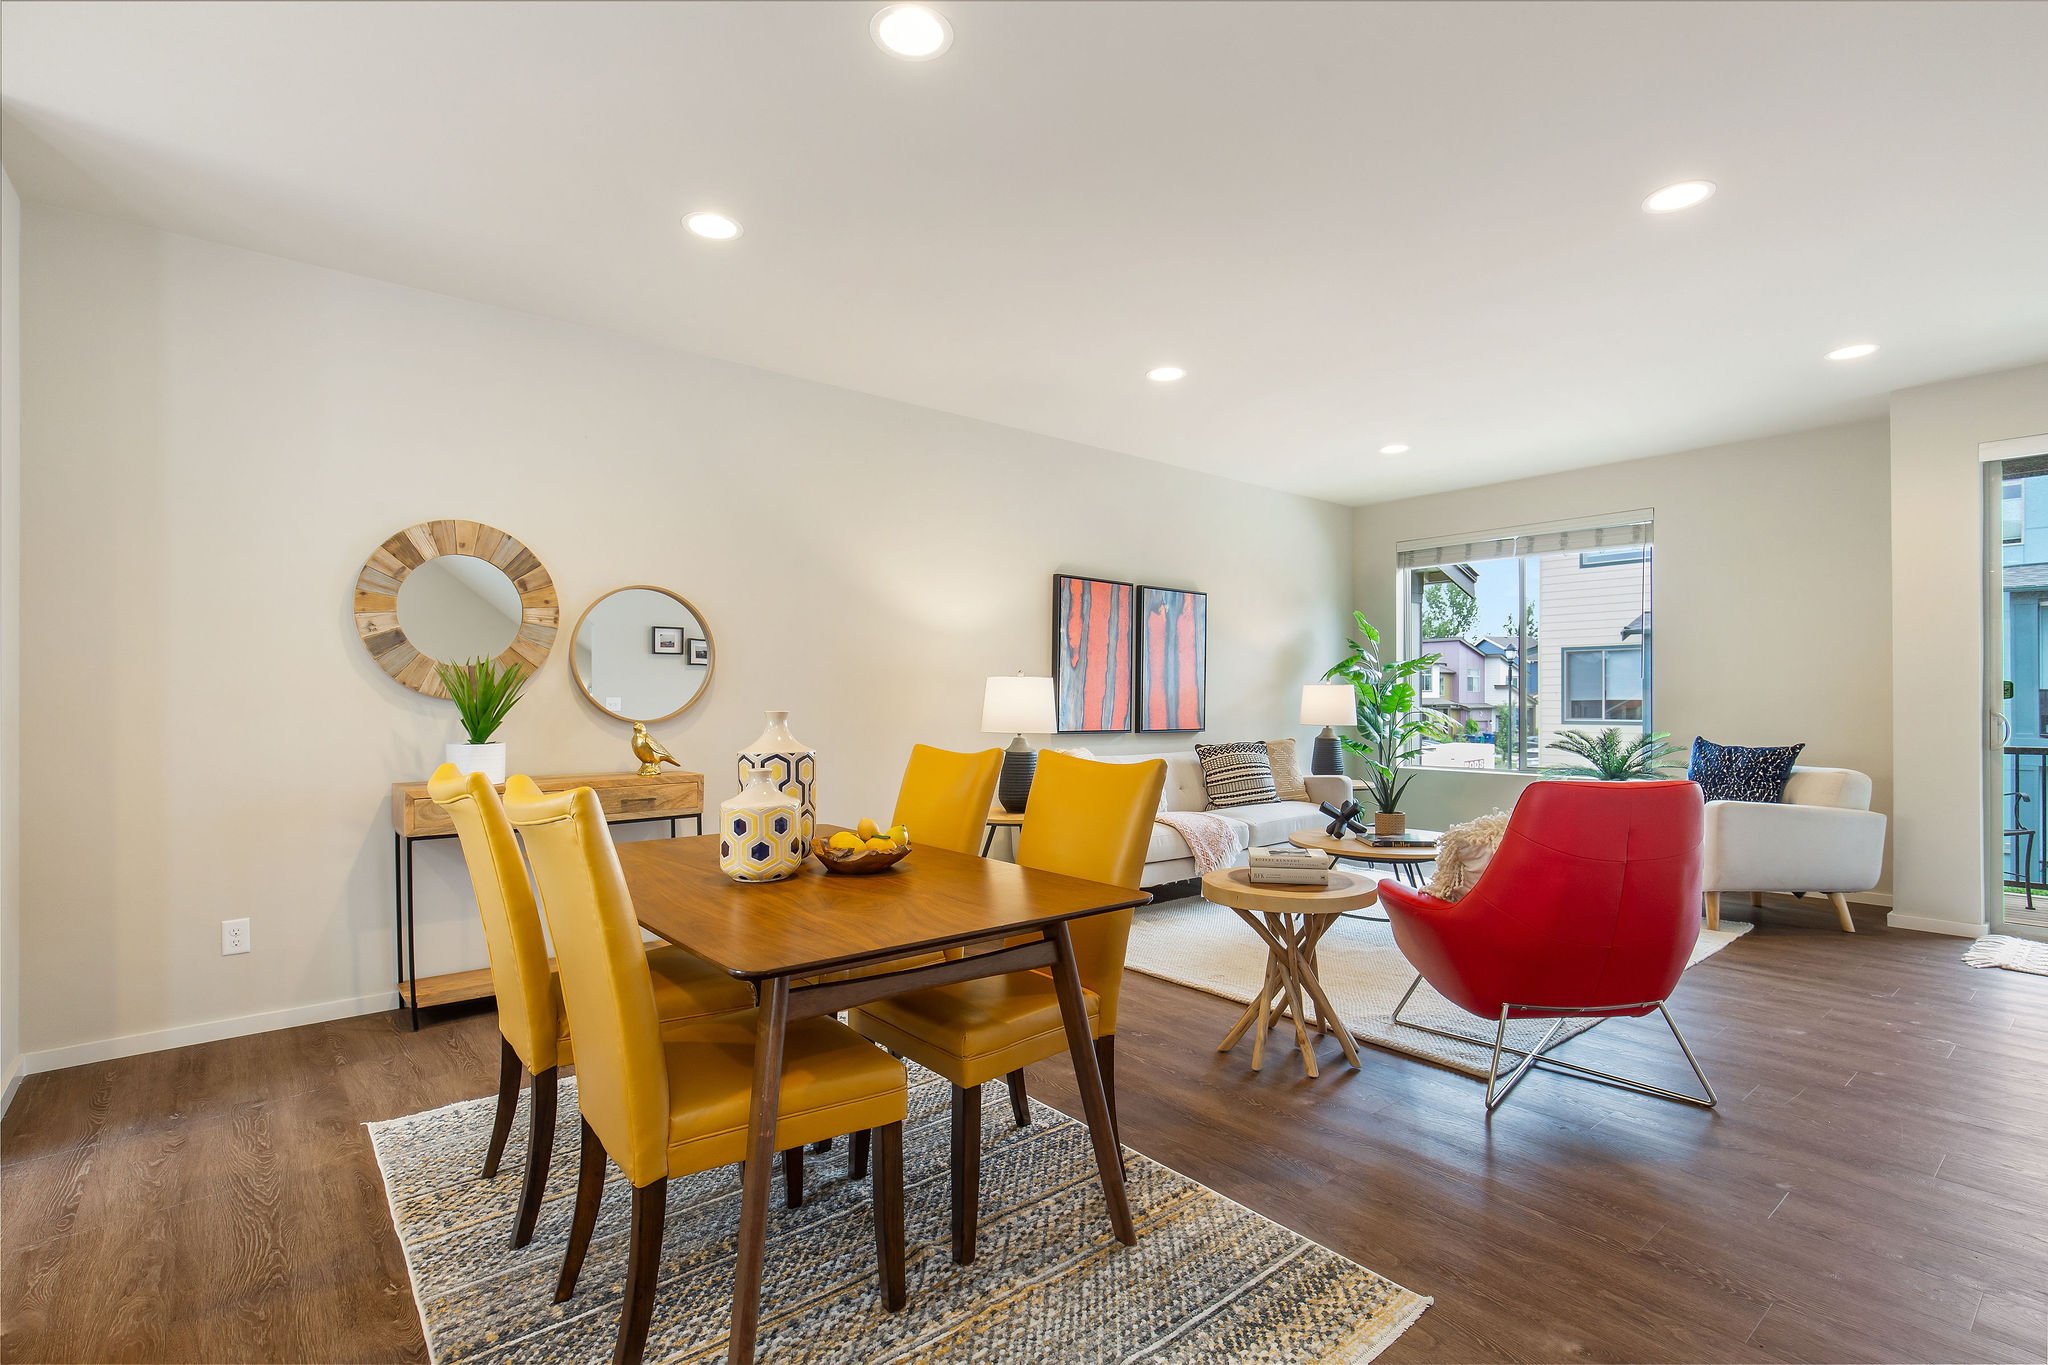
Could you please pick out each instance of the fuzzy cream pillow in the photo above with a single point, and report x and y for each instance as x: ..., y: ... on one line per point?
x: 1287, y: 781
x: 1463, y: 853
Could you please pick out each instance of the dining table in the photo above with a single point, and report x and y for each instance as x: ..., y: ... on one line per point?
x: 782, y: 936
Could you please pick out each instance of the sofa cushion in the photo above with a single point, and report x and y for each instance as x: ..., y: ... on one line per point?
x: 1288, y: 784
x: 1166, y: 844
x: 1270, y: 822
x: 1237, y: 774
x: 1729, y: 772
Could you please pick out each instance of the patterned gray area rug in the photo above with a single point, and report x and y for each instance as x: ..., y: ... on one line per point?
x: 1199, y: 944
x: 1208, y: 1281
x: 2013, y: 954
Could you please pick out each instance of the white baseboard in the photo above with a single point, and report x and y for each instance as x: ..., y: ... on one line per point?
x: 212, y: 1031
x: 1929, y: 924
x: 12, y: 1083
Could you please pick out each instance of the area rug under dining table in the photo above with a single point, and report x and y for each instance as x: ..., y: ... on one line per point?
x: 1200, y: 944
x: 1209, y: 1280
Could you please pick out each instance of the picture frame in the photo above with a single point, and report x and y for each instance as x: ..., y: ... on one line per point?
x: 667, y: 640
x: 1173, y: 660
x: 699, y: 651
x: 1092, y: 654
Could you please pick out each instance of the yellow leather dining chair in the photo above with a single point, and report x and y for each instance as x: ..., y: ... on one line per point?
x: 945, y: 797
x: 1084, y: 819
x: 669, y: 1104
x: 533, y: 1034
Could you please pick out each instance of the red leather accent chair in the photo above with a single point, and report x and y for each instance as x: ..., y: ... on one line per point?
x: 1589, y: 908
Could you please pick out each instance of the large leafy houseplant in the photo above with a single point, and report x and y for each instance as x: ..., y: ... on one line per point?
x: 1643, y: 759
x: 1391, y: 727
x: 483, y: 693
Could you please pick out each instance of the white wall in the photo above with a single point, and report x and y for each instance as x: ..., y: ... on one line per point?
x: 10, y: 639
x: 215, y: 439
x: 1773, y: 594
x: 1939, y: 576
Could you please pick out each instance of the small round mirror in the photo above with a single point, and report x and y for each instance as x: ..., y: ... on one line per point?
x: 642, y: 654
x: 457, y: 608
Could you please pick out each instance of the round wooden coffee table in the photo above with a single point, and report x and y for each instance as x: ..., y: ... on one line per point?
x: 1290, y: 920
x: 1406, y: 862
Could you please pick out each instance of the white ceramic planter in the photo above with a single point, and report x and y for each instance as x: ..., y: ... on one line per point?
x: 488, y: 759
x: 793, y: 766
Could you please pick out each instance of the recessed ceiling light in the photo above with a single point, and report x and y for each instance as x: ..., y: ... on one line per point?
x: 911, y: 31
x: 1683, y: 195
x: 716, y: 226
x: 1396, y: 449
x: 1166, y: 374
x: 1855, y: 352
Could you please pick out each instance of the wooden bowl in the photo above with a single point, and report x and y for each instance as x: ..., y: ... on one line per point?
x: 858, y: 862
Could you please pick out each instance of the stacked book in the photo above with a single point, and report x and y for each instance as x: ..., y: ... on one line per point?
x: 1289, y: 867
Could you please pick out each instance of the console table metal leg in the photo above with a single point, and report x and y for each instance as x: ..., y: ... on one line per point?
x: 412, y: 945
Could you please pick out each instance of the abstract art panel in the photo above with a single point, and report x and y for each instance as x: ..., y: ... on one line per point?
x: 1173, y: 659
x: 1091, y: 654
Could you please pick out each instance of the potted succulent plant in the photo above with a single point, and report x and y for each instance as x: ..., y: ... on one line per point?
x: 1391, y: 727
x: 483, y: 693
x: 1605, y: 758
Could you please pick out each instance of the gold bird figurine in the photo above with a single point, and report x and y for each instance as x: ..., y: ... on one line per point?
x: 648, y: 750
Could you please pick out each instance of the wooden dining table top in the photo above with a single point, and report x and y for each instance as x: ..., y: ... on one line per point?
x: 819, y: 921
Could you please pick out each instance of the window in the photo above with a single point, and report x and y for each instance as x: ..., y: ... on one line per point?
x: 1567, y: 604
x: 1604, y: 684
x: 2012, y: 513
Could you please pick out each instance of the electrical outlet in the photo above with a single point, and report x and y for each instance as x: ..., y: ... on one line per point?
x: 234, y: 936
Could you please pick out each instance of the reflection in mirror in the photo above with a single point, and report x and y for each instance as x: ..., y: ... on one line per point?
x: 642, y: 654
x: 455, y: 608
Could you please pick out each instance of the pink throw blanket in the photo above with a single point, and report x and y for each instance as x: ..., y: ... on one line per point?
x: 1211, y: 838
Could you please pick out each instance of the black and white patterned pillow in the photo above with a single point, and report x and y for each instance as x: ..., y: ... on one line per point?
x: 1728, y: 772
x: 1238, y: 774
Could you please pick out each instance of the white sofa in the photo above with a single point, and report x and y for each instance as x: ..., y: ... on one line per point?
x: 1821, y: 837
x: 1270, y: 822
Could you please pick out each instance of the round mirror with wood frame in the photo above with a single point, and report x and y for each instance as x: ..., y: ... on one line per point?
x: 463, y: 604
x: 642, y: 653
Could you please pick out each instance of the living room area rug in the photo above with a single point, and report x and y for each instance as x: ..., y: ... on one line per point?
x: 1209, y: 1280
x: 2013, y: 954
x: 1197, y: 943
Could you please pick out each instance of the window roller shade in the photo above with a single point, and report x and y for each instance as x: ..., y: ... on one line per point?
x: 1623, y: 529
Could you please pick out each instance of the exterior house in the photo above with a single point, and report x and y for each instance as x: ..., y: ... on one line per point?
x: 1462, y: 683
x: 1594, y: 643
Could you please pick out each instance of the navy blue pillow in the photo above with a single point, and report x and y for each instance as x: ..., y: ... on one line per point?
x: 1728, y: 772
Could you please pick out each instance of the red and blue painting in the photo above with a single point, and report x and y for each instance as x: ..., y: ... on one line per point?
x: 1091, y: 654
x: 1173, y: 659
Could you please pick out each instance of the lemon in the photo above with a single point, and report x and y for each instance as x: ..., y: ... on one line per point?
x: 880, y: 845
x: 899, y: 835
x: 868, y: 828
x: 846, y: 841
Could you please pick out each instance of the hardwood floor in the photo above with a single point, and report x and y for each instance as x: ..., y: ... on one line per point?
x: 1874, y: 1185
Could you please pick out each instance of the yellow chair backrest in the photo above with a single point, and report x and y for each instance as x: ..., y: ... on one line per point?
x: 504, y: 899
x: 621, y: 1079
x: 1093, y: 820
x: 944, y: 800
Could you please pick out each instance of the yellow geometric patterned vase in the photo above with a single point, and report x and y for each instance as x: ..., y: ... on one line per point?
x: 759, y: 832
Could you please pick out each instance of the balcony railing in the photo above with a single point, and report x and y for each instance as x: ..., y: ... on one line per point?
x: 2026, y: 801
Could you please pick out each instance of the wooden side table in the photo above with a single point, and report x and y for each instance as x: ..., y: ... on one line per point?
x: 1290, y: 920
x: 998, y: 818
x: 627, y: 798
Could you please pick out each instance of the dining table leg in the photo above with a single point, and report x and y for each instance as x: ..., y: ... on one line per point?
x: 771, y: 1025
x: 1066, y: 980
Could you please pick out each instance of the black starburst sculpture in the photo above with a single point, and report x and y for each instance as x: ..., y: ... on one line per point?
x: 1344, y: 818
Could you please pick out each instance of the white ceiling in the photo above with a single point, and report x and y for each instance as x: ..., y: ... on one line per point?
x: 1353, y: 224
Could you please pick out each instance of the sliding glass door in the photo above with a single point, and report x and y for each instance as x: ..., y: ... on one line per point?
x: 2019, y: 616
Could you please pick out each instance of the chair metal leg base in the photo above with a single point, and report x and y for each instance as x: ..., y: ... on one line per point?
x: 1497, y: 1089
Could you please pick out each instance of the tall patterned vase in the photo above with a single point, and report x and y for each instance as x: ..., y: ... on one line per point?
x: 757, y: 832
x: 793, y: 765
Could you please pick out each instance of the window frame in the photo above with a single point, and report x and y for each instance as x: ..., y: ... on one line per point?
x: 1565, y: 698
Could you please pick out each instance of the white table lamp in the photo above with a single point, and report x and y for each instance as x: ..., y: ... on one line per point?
x: 1018, y: 706
x: 1328, y: 704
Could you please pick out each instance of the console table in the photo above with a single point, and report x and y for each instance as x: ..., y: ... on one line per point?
x: 627, y: 798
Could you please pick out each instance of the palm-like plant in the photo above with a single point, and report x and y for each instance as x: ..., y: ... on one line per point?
x: 1643, y: 759
x: 1391, y: 726
x: 483, y: 693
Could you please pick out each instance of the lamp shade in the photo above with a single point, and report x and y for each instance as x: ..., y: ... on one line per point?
x: 1328, y: 704
x: 1018, y: 706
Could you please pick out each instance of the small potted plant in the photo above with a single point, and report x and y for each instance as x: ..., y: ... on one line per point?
x: 1391, y: 726
x: 1604, y: 758
x: 483, y: 693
